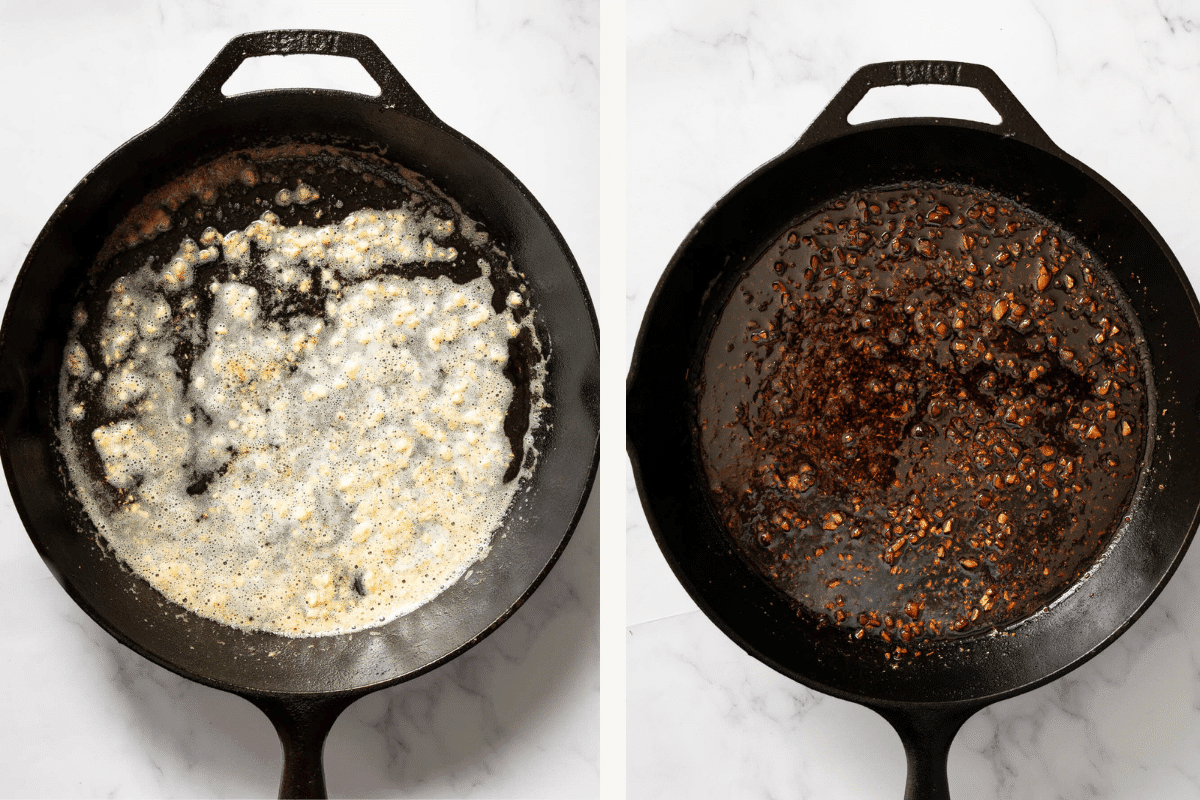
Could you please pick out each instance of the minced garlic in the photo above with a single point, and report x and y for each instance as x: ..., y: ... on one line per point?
x: 312, y: 476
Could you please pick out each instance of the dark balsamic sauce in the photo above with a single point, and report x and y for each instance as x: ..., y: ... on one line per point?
x: 922, y: 412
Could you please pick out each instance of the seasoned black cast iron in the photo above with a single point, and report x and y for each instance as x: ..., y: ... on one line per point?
x: 928, y: 699
x: 306, y: 683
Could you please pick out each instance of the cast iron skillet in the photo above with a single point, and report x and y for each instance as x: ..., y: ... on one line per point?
x: 927, y: 699
x: 301, y: 684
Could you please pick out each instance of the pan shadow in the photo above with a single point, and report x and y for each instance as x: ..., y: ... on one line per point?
x: 516, y: 715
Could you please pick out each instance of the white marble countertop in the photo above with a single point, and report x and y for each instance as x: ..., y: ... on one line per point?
x: 714, y: 90
x: 517, y: 716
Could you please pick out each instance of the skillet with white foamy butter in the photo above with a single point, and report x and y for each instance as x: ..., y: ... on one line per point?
x: 310, y: 472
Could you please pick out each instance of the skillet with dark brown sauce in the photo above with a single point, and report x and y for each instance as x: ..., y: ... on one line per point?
x: 921, y: 412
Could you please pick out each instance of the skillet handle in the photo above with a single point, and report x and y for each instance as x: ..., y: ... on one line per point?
x: 927, y: 734
x: 395, y: 92
x: 1015, y: 121
x: 302, y: 724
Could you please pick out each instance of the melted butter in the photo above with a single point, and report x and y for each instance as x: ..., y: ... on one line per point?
x: 314, y: 476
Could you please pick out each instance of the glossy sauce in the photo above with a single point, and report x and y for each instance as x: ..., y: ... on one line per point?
x: 922, y: 412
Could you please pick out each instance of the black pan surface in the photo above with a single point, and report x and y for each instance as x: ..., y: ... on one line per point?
x: 301, y: 684
x: 926, y: 700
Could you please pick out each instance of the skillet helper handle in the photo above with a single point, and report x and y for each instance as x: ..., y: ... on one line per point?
x: 1015, y: 121
x: 302, y: 725
x: 395, y: 92
x: 927, y: 735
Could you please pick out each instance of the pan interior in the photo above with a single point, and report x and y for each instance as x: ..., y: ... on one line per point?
x: 1160, y: 519
x: 540, y: 518
x: 253, y: 413
x: 877, y: 461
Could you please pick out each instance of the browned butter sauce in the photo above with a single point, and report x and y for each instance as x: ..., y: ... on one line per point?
x: 922, y: 412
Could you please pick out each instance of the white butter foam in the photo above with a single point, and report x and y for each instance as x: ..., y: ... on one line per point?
x: 314, y: 476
